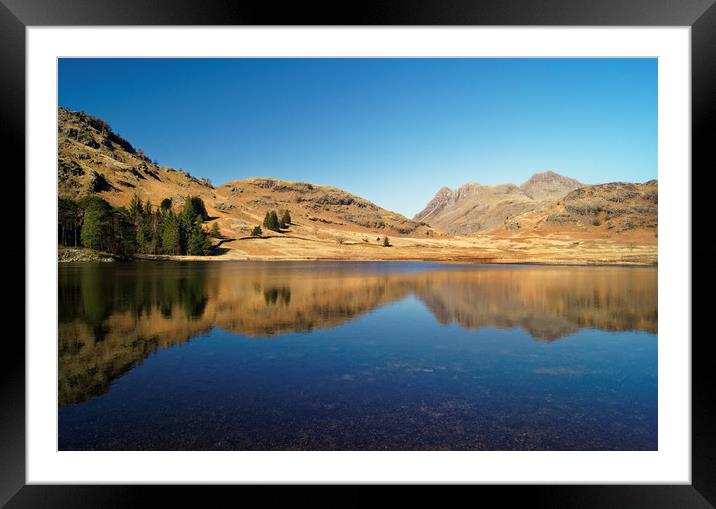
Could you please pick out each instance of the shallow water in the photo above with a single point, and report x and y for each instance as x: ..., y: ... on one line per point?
x: 356, y: 356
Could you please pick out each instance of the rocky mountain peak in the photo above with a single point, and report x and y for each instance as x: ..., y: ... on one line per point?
x: 473, y: 207
x: 549, y: 185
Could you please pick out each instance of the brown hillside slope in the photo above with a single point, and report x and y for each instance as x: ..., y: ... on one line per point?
x: 473, y: 207
x: 314, y: 208
x: 616, y: 208
x: 92, y: 159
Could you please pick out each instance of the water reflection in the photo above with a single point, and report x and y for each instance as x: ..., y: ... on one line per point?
x: 112, y: 316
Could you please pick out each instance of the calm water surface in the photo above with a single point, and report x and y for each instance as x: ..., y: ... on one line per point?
x: 349, y: 356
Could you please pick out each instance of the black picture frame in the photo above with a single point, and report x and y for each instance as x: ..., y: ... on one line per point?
x: 700, y: 15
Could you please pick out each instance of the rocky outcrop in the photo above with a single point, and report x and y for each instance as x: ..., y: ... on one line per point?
x: 621, y: 206
x: 548, y: 186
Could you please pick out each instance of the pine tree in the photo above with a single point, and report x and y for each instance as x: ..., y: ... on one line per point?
x: 199, y: 207
x: 143, y: 236
x: 187, y: 218
x: 165, y: 205
x: 68, y: 222
x: 171, y: 238
x: 136, y: 210
x: 256, y: 232
x: 189, y: 210
x: 155, y: 226
x: 273, y: 221
x: 95, y: 226
x: 386, y: 242
x: 267, y: 218
x: 286, y: 218
x: 198, y: 242
x: 215, y: 231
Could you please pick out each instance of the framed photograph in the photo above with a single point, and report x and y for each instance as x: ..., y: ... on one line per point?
x: 420, y: 246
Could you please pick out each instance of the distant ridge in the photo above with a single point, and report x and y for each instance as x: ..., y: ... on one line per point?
x: 473, y: 207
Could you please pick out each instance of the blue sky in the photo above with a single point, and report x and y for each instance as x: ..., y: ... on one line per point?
x: 391, y: 130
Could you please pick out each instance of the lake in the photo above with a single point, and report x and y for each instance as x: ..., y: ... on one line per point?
x: 356, y: 356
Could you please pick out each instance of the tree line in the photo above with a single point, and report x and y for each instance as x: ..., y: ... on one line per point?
x: 92, y: 222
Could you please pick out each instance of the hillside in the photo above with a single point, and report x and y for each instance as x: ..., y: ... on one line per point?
x: 313, y: 207
x: 614, y: 208
x: 92, y: 159
x: 473, y: 207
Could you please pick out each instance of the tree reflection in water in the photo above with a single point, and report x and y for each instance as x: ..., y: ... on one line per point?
x: 111, y: 316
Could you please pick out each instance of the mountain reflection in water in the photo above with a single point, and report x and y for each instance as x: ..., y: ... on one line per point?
x: 112, y: 316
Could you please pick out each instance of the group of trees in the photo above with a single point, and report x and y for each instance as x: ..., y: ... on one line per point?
x: 273, y: 221
x: 94, y: 223
x: 163, y: 231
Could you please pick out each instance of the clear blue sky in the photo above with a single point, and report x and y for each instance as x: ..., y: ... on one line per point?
x: 391, y: 130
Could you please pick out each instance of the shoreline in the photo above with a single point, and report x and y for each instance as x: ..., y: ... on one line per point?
x: 109, y: 258
x: 476, y: 261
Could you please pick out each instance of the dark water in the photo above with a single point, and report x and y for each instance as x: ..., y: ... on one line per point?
x: 356, y: 356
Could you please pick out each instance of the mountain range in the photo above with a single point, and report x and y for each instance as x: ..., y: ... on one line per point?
x: 474, y: 207
x: 548, y: 212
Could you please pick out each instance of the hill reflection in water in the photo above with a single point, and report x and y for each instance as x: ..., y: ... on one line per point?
x: 112, y: 316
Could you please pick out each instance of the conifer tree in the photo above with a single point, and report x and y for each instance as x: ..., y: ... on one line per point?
x: 273, y: 221
x: 95, y: 225
x: 187, y: 218
x: 198, y: 242
x: 171, y: 238
x: 256, y: 232
x: 69, y: 214
x: 136, y: 210
x: 143, y: 236
x: 215, y: 231
x: 267, y: 218
x: 199, y: 207
x: 165, y: 205
x: 286, y: 218
x: 156, y: 230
